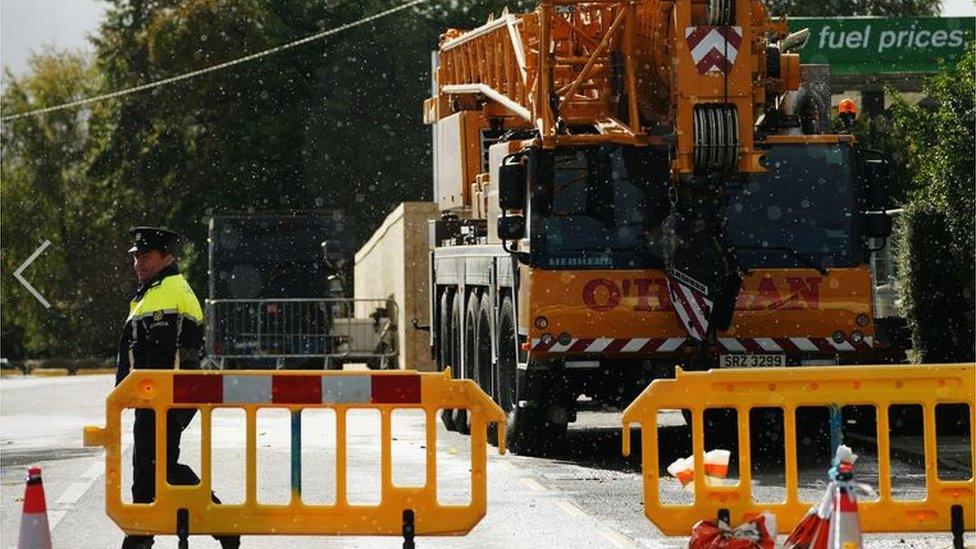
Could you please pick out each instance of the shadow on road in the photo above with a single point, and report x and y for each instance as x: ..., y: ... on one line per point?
x: 600, y: 447
x: 17, y: 458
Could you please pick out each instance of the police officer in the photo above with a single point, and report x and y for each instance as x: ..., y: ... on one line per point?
x: 164, y: 330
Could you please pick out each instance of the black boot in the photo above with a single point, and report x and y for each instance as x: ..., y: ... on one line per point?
x: 138, y: 542
x: 229, y: 542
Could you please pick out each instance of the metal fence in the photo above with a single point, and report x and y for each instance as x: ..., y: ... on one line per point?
x: 816, y: 80
x: 279, y: 333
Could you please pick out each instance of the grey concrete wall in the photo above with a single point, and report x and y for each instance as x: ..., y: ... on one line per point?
x: 393, y: 264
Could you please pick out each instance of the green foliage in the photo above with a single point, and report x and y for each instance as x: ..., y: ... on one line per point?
x: 881, y: 134
x: 938, y: 242
x: 933, y: 293
x: 841, y: 8
x: 335, y: 123
x: 47, y: 195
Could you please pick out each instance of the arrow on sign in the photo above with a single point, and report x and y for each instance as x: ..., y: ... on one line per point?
x: 24, y: 265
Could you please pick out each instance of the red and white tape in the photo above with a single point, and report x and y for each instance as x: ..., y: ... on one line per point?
x: 298, y: 389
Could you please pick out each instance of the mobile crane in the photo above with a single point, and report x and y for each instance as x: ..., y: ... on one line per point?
x: 626, y: 186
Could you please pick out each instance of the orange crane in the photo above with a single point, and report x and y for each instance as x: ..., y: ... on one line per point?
x: 635, y: 73
x: 630, y: 185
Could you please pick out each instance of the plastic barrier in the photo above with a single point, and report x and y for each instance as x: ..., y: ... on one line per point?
x: 189, y: 510
x: 789, y: 389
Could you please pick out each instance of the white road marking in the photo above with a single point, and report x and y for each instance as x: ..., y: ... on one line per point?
x: 533, y: 484
x: 98, y: 469
x: 504, y: 466
x: 615, y: 537
x: 76, y: 490
x: 72, y: 494
x: 611, y: 535
x: 570, y: 509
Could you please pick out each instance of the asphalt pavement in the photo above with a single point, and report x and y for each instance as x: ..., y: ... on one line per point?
x: 585, y: 494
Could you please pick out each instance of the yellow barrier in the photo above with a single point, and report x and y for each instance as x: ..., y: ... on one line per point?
x: 384, y: 391
x: 788, y: 389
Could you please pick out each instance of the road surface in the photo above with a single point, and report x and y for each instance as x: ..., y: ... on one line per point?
x: 584, y: 495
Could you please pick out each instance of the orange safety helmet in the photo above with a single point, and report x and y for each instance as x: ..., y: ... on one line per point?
x: 847, y: 106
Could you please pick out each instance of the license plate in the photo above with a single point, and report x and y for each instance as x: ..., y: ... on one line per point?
x: 751, y: 361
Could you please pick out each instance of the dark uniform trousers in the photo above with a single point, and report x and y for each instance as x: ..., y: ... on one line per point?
x: 164, y: 329
x: 144, y: 454
x: 144, y: 462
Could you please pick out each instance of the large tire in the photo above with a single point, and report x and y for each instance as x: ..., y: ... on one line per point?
x: 470, y: 350
x: 505, y: 390
x: 483, y: 359
x: 528, y: 430
x: 444, y: 331
x: 458, y: 417
x: 446, y: 350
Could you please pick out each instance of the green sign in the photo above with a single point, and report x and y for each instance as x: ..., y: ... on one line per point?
x: 880, y: 45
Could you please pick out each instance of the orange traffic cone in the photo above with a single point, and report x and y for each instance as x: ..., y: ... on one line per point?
x: 716, y: 466
x: 34, y: 532
x: 845, y: 525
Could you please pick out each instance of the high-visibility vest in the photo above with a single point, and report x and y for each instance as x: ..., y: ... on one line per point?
x: 164, y: 329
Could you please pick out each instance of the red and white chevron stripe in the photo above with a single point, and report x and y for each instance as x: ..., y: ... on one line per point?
x: 740, y: 345
x: 714, y: 49
x: 793, y: 345
x: 611, y: 345
x: 693, y: 307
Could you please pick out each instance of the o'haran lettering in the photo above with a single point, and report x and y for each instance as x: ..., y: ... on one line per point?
x: 831, y: 39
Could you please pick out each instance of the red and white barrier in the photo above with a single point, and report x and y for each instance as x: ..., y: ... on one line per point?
x: 295, y: 389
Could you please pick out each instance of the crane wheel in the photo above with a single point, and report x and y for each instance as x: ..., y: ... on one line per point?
x: 461, y: 419
x: 448, y: 353
x: 507, y: 368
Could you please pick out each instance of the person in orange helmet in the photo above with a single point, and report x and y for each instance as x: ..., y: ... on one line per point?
x: 847, y: 111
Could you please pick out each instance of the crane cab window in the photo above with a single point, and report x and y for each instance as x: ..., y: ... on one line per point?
x: 805, y: 204
x: 599, y: 207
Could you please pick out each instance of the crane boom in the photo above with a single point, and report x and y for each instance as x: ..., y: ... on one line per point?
x: 690, y: 74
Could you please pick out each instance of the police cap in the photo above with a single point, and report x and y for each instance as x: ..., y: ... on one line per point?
x: 153, y: 238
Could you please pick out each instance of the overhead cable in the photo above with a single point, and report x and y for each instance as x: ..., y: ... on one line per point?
x: 217, y: 67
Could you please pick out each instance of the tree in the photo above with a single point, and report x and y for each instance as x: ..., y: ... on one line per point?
x: 933, y: 294
x: 335, y: 123
x: 881, y: 134
x: 47, y: 195
x: 941, y: 214
x: 841, y: 8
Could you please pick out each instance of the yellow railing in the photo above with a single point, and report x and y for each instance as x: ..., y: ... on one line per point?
x: 789, y: 389
x: 384, y: 391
